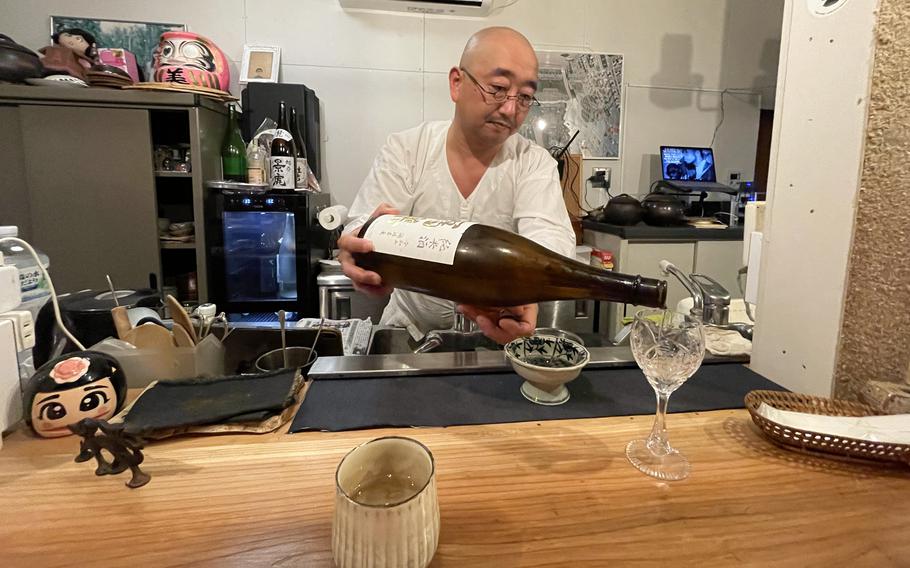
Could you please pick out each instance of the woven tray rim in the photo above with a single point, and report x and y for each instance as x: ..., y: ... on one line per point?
x: 817, y: 443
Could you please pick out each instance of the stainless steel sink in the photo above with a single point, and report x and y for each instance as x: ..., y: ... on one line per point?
x: 396, y: 340
x: 245, y: 344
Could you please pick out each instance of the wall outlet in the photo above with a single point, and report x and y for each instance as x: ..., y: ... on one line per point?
x: 602, y: 172
x: 735, y: 177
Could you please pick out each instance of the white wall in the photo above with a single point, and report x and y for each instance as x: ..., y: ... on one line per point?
x: 817, y: 153
x: 379, y: 73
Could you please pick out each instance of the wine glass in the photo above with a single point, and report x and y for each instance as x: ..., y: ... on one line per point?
x: 669, y: 348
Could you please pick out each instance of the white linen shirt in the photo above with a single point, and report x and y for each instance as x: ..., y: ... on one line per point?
x: 519, y: 192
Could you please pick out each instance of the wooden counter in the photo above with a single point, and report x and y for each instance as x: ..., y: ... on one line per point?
x: 557, y: 493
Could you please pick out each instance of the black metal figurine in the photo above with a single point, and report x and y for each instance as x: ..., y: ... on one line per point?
x: 126, y: 449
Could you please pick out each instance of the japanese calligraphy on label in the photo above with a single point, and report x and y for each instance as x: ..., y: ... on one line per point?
x: 433, y: 240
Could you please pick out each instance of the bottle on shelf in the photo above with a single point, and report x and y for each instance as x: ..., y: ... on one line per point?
x: 481, y: 265
x: 302, y: 171
x: 287, y: 260
x: 256, y: 162
x: 233, y: 150
x: 281, y: 161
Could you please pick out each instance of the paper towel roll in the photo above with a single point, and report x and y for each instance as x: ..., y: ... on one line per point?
x: 333, y: 217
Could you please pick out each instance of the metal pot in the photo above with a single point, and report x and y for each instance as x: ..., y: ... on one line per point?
x: 17, y: 63
x: 663, y: 210
x: 622, y: 210
x: 298, y: 358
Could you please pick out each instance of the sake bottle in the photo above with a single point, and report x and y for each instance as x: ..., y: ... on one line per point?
x: 282, y: 170
x: 480, y: 265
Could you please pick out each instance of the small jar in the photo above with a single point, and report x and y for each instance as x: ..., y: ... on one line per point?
x: 602, y: 259
x: 256, y: 160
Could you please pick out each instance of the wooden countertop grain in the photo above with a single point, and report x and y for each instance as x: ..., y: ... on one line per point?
x: 552, y: 493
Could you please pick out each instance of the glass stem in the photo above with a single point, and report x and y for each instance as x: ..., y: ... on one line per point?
x: 657, y: 441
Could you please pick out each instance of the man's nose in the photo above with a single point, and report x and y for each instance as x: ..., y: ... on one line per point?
x: 509, y: 107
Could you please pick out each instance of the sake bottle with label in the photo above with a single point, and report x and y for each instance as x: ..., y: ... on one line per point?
x: 282, y: 170
x: 481, y: 265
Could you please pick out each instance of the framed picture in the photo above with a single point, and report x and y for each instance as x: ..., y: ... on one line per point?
x: 260, y: 64
x: 578, y: 91
x: 139, y: 38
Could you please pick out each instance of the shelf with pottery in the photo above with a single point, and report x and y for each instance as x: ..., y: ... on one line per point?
x: 172, y: 245
x: 164, y: 174
x: 528, y: 494
x: 57, y: 122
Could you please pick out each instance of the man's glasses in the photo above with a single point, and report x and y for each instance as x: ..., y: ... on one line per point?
x: 501, y: 95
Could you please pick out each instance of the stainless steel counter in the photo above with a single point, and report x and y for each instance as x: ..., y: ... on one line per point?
x: 461, y: 362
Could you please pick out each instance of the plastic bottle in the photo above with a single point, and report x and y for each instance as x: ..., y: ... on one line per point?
x: 35, y: 291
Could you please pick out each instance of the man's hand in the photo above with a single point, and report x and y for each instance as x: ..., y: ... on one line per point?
x: 364, y: 280
x: 502, y: 325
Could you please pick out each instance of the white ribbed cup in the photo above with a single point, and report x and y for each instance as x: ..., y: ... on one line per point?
x: 401, y: 534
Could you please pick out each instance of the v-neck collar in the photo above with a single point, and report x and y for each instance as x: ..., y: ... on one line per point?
x: 445, y: 156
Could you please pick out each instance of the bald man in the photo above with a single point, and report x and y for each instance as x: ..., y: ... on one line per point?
x: 471, y: 168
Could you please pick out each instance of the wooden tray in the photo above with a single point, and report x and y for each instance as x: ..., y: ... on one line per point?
x: 813, y: 442
x: 223, y: 96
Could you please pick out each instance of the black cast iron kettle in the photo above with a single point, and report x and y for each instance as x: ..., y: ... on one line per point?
x: 663, y: 210
x: 622, y: 210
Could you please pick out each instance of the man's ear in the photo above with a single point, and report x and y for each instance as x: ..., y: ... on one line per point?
x: 456, y: 79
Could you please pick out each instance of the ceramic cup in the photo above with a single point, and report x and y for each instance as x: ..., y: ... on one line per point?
x: 386, y: 513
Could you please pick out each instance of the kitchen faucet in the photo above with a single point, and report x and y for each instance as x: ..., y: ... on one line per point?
x: 710, y: 300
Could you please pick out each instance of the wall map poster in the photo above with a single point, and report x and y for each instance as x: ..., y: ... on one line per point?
x: 578, y: 91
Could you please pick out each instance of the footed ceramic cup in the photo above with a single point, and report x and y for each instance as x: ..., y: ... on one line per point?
x: 386, y: 513
x: 546, y: 363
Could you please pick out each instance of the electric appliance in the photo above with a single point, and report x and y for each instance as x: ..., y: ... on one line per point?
x: 260, y: 101
x: 10, y: 390
x: 87, y: 314
x: 475, y: 8
x: 263, y: 250
x: 687, y: 169
x: 338, y: 300
x: 577, y: 316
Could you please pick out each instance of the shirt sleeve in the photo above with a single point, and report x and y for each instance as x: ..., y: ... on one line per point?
x: 390, y: 181
x: 540, y: 210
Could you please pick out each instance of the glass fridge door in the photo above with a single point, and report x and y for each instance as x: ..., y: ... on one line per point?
x: 259, y: 255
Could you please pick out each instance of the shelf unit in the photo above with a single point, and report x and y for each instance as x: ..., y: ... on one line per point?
x: 179, y: 196
x: 173, y: 174
x: 81, y: 183
x: 178, y: 246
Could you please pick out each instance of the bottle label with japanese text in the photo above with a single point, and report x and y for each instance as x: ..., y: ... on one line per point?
x: 255, y: 175
x: 282, y: 172
x: 433, y: 240
x: 301, y: 173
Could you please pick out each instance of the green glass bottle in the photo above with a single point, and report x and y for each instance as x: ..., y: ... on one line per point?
x: 233, y: 150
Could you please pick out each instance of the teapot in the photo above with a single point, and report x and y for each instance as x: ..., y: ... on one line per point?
x: 622, y: 210
x: 18, y: 63
x: 663, y: 210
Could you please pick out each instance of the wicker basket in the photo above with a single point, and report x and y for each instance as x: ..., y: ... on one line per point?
x: 813, y: 442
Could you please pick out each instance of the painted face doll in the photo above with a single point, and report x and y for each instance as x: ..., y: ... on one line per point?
x: 85, y: 384
x: 191, y: 59
x: 79, y: 42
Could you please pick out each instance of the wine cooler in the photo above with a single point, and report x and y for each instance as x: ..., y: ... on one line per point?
x: 263, y: 251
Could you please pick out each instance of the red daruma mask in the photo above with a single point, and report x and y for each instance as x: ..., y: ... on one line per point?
x: 190, y: 59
